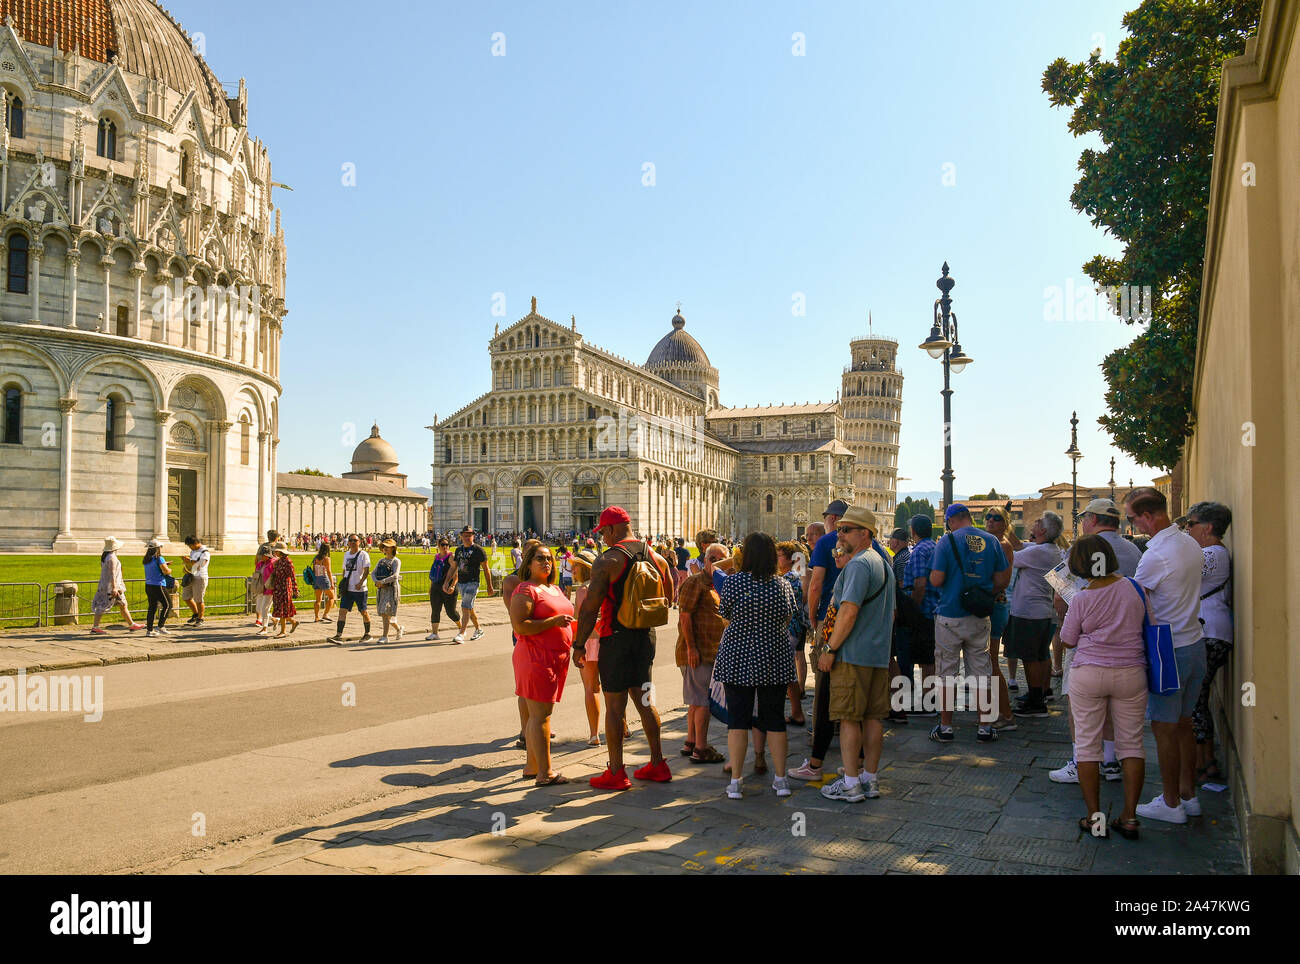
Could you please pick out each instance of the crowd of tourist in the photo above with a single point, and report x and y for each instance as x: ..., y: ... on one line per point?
x: 948, y: 604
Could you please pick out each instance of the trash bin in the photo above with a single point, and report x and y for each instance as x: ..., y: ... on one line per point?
x: 65, y: 604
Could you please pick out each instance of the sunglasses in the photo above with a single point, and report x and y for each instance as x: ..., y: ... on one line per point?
x: 852, y: 529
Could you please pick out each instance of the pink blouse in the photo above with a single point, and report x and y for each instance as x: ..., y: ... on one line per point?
x: 1106, y: 626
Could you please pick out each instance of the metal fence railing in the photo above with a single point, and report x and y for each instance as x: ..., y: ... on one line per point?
x: 68, y: 603
x: 20, y: 604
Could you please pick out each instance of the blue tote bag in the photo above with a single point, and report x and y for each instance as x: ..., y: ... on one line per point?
x: 1162, y: 670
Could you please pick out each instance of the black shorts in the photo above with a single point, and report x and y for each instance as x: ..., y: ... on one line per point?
x: 625, y: 659
x: 1028, y: 639
x: 922, y: 641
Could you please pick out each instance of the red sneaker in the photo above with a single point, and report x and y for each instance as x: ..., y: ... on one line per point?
x: 612, y: 781
x: 658, y: 772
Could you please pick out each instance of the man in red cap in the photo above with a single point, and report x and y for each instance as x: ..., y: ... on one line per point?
x: 626, y: 655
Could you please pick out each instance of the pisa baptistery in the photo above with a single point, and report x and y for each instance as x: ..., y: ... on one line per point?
x: 871, y: 404
x: 143, y: 298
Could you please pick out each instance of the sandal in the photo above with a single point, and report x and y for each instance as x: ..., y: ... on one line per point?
x: 594, y: 741
x: 528, y: 776
x: 1085, y: 824
x: 1210, y: 772
x: 707, y: 754
x: 687, y: 748
x: 553, y: 780
x: 1128, y: 829
x: 793, y: 722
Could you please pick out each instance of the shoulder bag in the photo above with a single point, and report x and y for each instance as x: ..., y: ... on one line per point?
x: 1162, y: 668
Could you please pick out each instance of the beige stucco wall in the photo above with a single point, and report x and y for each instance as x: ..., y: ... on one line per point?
x: 1246, y: 391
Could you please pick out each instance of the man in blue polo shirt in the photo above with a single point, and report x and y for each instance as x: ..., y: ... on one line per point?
x: 965, y: 557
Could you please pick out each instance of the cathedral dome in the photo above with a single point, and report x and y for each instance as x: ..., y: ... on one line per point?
x: 138, y: 34
x: 374, y: 454
x: 677, y: 348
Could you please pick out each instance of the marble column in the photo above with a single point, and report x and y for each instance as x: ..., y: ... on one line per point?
x: 74, y: 259
x: 217, y: 475
x: 160, y: 475
x: 67, y: 406
x: 36, y: 251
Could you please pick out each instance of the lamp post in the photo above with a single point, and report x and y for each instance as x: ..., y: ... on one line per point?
x: 940, y: 345
x: 1074, y: 454
x: 1112, y: 478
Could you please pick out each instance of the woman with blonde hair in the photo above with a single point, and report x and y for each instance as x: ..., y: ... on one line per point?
x: 588, y: 664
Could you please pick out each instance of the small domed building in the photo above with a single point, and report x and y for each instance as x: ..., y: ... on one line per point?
x: 372, y: 498
x: 143, y: 296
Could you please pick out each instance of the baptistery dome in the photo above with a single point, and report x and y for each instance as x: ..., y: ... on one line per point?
x: 143, y: 296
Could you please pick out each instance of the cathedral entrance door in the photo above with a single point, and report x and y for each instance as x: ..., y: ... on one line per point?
x: 480, y: 519
x: 533, y: 514
x: 182, y: 491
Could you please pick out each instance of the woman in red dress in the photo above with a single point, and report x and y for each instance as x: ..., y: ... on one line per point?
x: 542, y: 619
x: 284, y: 588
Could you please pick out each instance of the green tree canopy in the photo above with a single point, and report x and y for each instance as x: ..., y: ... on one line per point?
x: 904, y: 511
x: 1154, y: 107
x: 991, y: 494
x: 325, y: 475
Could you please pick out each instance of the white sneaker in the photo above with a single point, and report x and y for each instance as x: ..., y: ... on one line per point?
x: 163, y: 631
x: 1191, y: 807
x: 1112, y: 771
x: 840, y: 790
x: 733, y: 790
x: 870, y: 789
x: 460, y: 638
x: 400, y: 631
x: 1157, y: 809
x: 1067, y: 774
x: 383, y: 639
x: 478, y: 634
x: 432, y: 635
x: 781, y: 786
x: 151, y: 632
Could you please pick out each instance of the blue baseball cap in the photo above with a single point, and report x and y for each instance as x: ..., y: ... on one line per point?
x: 955, y: 509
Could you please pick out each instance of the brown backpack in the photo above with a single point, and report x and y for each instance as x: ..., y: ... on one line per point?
x: 645, y: 604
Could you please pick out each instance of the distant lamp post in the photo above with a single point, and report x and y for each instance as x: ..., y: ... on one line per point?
x: 1112, y: 478
x: 1074, y: 454
x: 943, y: 343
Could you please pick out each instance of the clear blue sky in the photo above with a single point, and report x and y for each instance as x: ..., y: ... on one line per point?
x: 775, y: 174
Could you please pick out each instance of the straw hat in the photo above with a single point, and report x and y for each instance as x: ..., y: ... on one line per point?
x: 112, y: 544
x: 281, y: 548
x: 153, y: 544
x: 388, y: 544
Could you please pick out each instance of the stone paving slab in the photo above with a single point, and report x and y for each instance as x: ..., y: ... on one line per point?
x: 962, y: 808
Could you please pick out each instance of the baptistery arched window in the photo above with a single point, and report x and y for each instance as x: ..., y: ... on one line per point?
x: 15, y: 116
x: 13, y: 415
x: 18, y: 270
x: 106, y: 139
x: 115, y: 424
x: 769, y: 503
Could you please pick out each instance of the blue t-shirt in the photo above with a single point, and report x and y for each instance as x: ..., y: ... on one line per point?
x: 981, y: 556
x: 918, y: 567
x: 719, y: 577
x: 824, y: 555
x: 153, y: 574
x: 868, y: 642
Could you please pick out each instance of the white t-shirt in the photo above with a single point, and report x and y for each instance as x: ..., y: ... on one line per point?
x: 1127, y: 554
x: 362, y: 562
x: 1214, y: 610
x: 1170, y: 572
x: 200, y: 559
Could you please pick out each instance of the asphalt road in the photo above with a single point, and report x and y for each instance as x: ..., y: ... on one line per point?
x: 239, y: 744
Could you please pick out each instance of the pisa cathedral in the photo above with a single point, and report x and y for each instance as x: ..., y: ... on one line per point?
x: 568, y: 428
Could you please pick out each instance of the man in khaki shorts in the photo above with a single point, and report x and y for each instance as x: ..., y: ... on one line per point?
x: 857, y: 655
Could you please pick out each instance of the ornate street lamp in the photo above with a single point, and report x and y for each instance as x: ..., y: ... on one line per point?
x: 1074, y: 454
x: 941, y: 345
x: 1112, y: 478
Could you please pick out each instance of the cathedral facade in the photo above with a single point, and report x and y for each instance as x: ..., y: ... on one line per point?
x: 142, y: 306
x: 568, y: 428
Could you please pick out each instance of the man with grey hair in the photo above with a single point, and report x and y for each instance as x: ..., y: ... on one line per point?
x: 1029, y: 629
x: 1100, y: 517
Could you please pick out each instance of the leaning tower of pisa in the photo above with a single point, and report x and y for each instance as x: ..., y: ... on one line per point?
x: 871, y: 402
